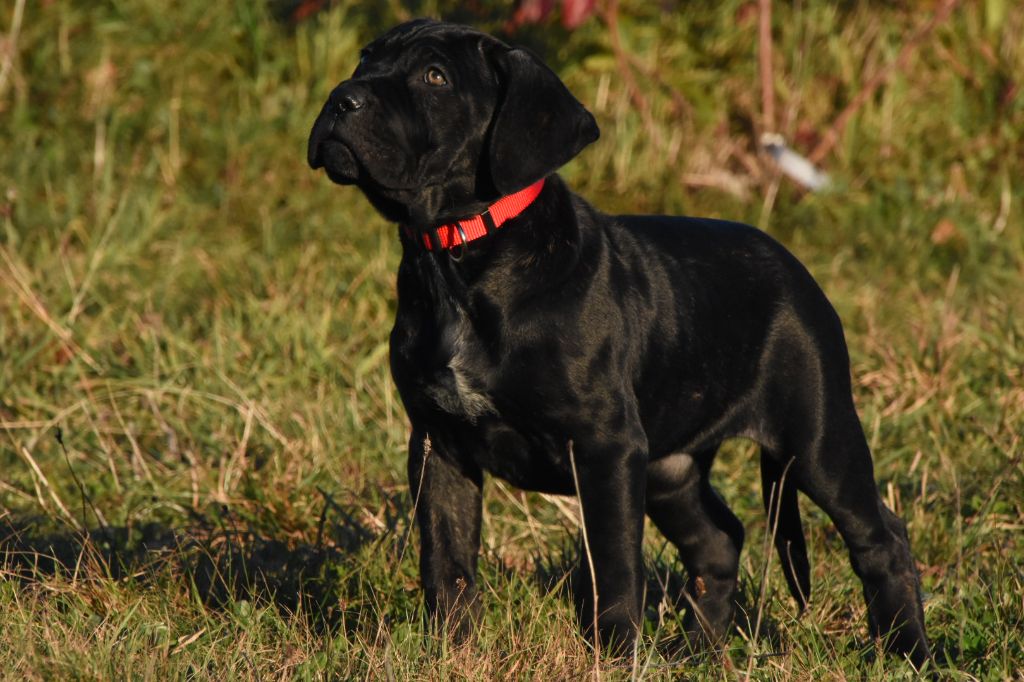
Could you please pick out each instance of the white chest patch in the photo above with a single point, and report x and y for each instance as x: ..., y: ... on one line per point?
x: 474, y: 401
x: 457, y: 387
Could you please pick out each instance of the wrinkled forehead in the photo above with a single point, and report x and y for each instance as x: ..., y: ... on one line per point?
x: 421, y: 41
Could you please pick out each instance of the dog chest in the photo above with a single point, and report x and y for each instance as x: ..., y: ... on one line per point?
x: 455, y: 382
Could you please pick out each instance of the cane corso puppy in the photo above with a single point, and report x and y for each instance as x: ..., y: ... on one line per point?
x: 578, y: 353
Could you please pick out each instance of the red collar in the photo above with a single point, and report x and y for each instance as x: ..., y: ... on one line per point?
x: 452, y: 234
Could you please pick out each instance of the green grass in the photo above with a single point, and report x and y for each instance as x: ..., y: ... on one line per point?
x: 204, y: 322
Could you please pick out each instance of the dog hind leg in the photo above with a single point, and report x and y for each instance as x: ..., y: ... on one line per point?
x: 834, y: 469
x: 691, y: 515
x: 778, y: 491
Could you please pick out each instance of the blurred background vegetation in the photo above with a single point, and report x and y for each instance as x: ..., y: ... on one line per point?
x: 201, y: 451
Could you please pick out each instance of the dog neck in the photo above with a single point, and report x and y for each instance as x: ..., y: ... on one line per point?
x: 459, y: 233
x: 536, y: 251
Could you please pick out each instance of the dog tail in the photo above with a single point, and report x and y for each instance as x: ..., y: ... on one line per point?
x: 778, y: 490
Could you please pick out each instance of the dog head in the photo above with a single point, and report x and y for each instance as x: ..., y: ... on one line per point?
x: 439, y: 120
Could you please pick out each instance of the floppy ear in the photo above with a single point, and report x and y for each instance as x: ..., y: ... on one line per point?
x: 538, y: 125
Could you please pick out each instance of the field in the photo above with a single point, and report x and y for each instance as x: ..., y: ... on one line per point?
x: 201, y: 450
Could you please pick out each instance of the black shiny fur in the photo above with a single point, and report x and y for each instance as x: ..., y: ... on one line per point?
x: 641, y: 342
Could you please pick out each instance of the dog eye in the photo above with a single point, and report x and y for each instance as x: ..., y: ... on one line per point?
x: 433, y: 76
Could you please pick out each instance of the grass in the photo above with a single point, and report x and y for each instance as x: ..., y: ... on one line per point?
x: 202, y: 452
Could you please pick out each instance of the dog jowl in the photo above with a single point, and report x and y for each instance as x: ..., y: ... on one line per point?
x: 528, y: 320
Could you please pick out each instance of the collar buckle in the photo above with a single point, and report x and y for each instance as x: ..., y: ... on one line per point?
x: 463, y: 244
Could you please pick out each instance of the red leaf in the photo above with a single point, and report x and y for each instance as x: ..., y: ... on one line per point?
x: 532, y: 11
x: 575, y: 12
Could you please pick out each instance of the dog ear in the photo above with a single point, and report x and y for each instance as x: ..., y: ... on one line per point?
x: 538, y: 125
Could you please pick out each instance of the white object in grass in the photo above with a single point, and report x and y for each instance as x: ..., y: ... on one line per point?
x: 793, y: 164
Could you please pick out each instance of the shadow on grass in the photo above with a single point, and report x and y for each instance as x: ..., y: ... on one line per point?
x: 225, y: 559
x: 228, y: 561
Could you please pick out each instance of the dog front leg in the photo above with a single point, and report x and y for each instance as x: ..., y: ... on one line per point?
x: 611, y: 482
x: 447, y: 498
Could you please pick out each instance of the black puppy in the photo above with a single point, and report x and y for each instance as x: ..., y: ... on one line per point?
x: 573, y: 352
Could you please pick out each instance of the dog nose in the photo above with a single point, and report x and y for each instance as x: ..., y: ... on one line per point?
x: 349, y: 97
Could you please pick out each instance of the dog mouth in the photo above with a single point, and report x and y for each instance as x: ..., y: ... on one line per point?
x: 327, y: 151
x: 337, y: 160
x: 344, y: 167
x: 349, y: 158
